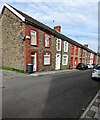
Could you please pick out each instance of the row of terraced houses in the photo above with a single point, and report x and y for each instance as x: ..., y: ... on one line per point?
x: 26, y: 40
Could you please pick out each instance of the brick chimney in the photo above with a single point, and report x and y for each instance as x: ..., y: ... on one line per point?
x: 57, y: 28
x: 86, y: 45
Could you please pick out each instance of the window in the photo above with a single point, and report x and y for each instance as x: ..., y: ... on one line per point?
x: 94, y: 59
x: 80, y: 60
x: 71, y: 61
x: 76, y: 50
x: 81, y: 51
x: 47, y: 58
x: 65, y: 46
x: 47, y: 40
x: 33, y: 37
x: 65, y: 59
x: 72, y: 49
x: 58, y: 44
x: 83, y: 60
x: 84, y: 54
x: 76, y: 61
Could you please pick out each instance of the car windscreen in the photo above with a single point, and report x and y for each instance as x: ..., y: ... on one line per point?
x: 98, y: 68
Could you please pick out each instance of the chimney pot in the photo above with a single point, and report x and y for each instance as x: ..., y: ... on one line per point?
x: 57, y: 28
x: 86, y: 45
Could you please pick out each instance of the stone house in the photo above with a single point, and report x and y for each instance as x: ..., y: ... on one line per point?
x: 28, y: 41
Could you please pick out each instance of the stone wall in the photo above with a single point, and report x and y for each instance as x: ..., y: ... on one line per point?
x: 12, y: 46
x: 0, y: 42
x: 64, y: 67
x: 40, y: 50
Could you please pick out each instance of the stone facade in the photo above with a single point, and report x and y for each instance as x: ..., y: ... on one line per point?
x: 0, y: 43
x: 40, y: 49
x: 12, y: 46
x: 64, y: 53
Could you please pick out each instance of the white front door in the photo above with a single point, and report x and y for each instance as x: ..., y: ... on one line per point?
x: 58, y: 58
x: 34, y: 62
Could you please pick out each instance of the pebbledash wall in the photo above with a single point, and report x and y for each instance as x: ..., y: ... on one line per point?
x: 18, y: 52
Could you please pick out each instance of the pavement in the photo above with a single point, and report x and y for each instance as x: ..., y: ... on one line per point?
x: 52, y: 72
x: 93, y: 109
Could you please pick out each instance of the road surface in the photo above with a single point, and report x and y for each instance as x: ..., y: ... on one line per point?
x: 61, y: 95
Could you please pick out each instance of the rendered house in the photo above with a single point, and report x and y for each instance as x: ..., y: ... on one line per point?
x: 74, y: 55
x: 26, y: 40
x: 81, y: 54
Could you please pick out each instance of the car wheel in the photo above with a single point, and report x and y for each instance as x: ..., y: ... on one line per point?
x: 93, y: 78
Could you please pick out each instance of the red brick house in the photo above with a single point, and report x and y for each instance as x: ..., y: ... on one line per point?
x: 26, y: 40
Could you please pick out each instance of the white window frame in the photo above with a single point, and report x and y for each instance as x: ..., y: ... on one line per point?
x: 65, y: 46
x: 47, y: 41
x: 64, y: 58
x: 58, y: 41
x: 47, y: 54
x: 35, y: 37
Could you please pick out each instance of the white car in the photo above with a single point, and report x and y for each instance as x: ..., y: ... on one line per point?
x: 96, y: 72
x: 89, y: 66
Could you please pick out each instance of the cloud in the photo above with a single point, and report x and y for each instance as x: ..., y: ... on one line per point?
x: 70, y: 1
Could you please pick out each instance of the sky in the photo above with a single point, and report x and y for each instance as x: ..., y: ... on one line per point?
x: 78, y: 18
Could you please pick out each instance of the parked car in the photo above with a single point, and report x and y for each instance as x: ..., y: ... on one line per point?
x: 96, y: 72
x: 97, y: 65
x: 81, y: 66
x: 94, y: 65
x: 90, y: 66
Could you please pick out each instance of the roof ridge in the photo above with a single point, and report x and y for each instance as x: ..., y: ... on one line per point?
x: 12, y: 9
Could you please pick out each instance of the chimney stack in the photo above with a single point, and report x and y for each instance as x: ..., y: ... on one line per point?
x: 86, y: 45
x: 57, y: 28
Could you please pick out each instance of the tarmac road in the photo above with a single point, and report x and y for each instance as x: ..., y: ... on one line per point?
x: 62, y: 95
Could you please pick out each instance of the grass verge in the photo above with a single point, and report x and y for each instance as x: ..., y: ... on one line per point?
x: 13, y: 69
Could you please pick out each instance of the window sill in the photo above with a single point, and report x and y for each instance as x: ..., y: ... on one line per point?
x: 47, y: 65
x: 66, y: 51
x: 65, y: 64
x: 34, y: 45
x: 47, y: 47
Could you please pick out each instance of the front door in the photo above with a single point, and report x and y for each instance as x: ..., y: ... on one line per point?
x: 58, y: 58
x: 34, y: 62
